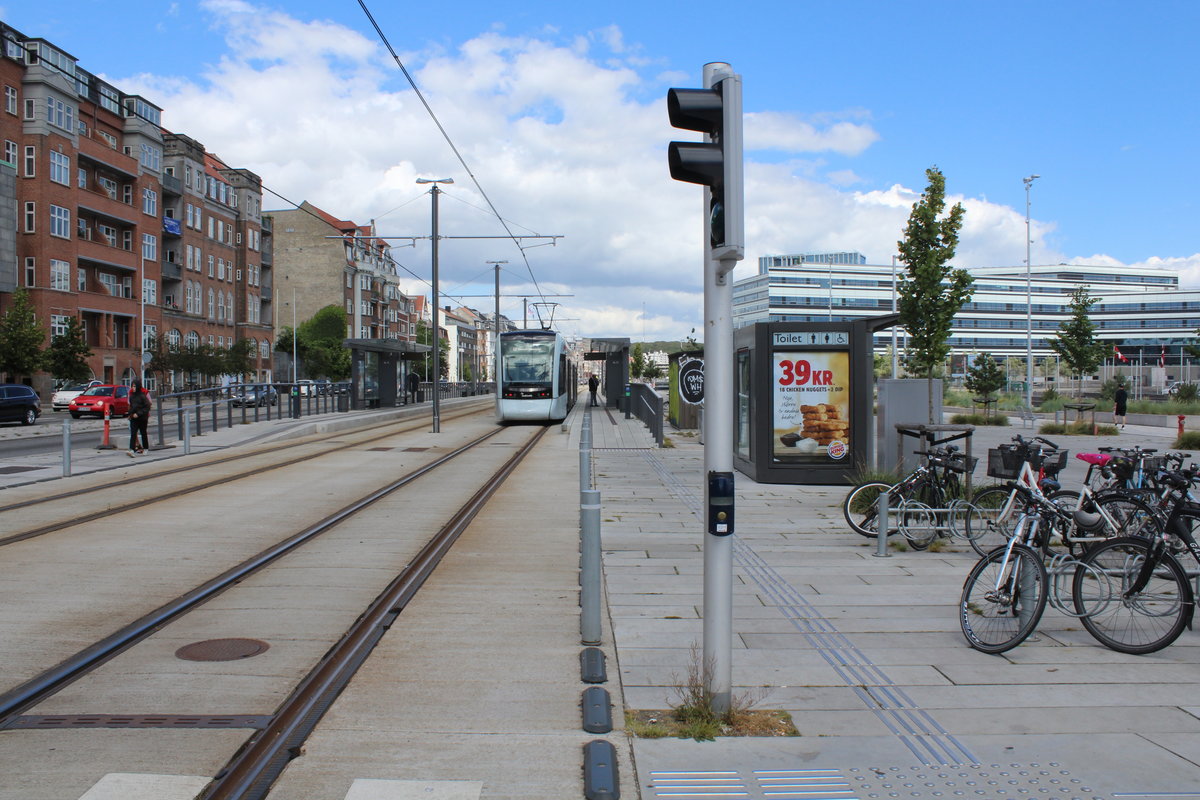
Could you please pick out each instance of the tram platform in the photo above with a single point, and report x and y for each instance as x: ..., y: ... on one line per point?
x: 863, y: 651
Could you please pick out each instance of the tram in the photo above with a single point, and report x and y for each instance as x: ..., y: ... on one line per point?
x: 536, y: 382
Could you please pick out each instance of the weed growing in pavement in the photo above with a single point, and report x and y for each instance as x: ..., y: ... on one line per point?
x: 693, y: 716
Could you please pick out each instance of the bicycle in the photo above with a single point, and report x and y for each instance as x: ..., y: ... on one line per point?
x: 1154, y: 601
x: 931, y: 490
x: 1031, y: 463
x: 1007, y: 591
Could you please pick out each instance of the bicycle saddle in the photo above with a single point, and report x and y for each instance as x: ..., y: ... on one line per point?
x: 1096, y: 459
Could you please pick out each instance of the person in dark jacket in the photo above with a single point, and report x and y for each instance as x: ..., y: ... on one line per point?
x: 139, y: 419
x: 593, y: 385
x: 1120, y: 404
x: 412, y: 383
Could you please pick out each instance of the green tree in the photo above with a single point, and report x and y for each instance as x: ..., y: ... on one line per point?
x: 425, y: 362
x: 931, y: 292
x: 984, y: 377
x: 21, y: 338
x: 638, y: 361
x: 66, y: 357
x: 1076, y: 341
x: 239, y: 359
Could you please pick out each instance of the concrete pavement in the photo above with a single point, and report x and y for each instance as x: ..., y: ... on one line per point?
x: 867, y: 655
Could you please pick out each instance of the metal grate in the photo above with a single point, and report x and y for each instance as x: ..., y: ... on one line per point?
x: 62, y: 721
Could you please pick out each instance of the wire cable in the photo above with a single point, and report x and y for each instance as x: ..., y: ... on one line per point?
x: 429, y: 109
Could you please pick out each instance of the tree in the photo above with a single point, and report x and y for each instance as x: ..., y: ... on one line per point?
x: 638, y: 362
x: 931, y: 292
x: 984, y: 377
x: 21, y: 338
x: 1076, y: 341
x: 239, y: 359
x: 66, y: 357
x: 425, y: 363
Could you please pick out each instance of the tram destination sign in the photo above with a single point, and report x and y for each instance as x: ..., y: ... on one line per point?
x: 595, y: 356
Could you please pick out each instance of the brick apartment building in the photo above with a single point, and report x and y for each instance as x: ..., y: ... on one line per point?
x: 136, y: 231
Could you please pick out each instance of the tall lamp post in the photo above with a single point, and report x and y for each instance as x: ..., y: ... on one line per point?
x: 1028, y: 299
x: 436, y: 339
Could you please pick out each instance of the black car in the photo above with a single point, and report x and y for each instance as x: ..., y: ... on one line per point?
x: 256, y: 396
x: 19, y: 403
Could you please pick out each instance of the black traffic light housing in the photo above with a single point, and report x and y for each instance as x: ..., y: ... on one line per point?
x: 717, y: 161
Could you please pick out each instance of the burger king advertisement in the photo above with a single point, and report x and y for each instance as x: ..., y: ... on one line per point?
x: 812, y: 406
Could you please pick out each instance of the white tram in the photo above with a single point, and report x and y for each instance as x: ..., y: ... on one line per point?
x: 536, y: 382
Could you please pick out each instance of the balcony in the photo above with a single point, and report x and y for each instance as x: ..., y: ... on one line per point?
x: 265, y: 258
x: 100, y: 252
x: 267, y: 224
x: 102, y: 204
x: 266, y: 293
x: 171, y: 185
x: 171, y: 271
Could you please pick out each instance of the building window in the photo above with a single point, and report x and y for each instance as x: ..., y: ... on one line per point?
x: 80, y: 279
x: 151, y: 157
x: 60, y: 275
x: 149, y: 247
x: 109, y: 282
x: 10, y: 152
x: 60, y: 114
x: 30, y: 109
x: 60, y: 168
x: 150, y: 202
x: 30, y: 271
x: 211, y: 263
x: 211, y: 303
x: 30, y: 217
x: 82, y: 178
x: 58, y: 325
x: 60, y: 221
x: 150, y: 291
x: 10, y: 100
x: 30, y: 161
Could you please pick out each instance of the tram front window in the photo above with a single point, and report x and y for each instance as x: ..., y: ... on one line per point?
x: 527, y: 363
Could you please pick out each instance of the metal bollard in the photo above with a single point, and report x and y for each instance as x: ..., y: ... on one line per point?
x: 585, y: 471
x: 187, y: 434
x: 66, y: 447
x: 882, y: 527
x: 590, y: 560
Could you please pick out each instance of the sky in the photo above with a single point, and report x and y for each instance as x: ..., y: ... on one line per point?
x: 554, y: 115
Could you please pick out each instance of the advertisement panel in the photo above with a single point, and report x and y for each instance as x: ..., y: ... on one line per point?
x: 812, y: 420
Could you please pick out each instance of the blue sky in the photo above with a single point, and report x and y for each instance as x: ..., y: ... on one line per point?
x: 558, y: 109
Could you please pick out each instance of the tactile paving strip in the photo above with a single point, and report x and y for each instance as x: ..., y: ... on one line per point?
x: 990, y: 781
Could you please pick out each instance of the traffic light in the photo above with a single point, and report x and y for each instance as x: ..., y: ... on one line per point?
x: 717, y: 161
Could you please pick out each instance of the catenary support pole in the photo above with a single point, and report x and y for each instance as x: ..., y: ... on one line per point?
x: 590, y: 556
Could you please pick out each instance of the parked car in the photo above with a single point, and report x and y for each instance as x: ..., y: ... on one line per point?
x: 63, y: 397
x: 255, y: 396
x: 19, y: 403
x: 99, y: 399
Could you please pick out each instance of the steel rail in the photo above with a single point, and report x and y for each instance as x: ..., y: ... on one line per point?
x: 140, y: 503
x: 254, y: 769
x: 42, y: 686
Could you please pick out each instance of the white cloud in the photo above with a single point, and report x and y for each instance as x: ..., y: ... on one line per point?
x: 562, y: 138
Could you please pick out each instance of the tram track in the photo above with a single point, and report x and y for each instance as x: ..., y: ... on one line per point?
x: 357, y: 439
x: 47, y: 683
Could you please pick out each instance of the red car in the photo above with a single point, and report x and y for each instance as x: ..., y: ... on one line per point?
x: 98, y: 399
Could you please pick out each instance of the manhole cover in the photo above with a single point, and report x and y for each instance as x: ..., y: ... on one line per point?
x: 221, y: 649
x: 15, y: 470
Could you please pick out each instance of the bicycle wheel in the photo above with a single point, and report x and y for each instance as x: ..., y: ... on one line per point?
x: 1003, y: 599
x: 1134, y: 517
x: 1132, y: 622
x: 991, y: 518
x: 860, y: 508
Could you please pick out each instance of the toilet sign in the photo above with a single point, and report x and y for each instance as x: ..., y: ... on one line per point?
x: 691, y: 381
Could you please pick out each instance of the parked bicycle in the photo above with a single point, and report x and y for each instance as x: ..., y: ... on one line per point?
x: 926, y: 503
x: 1143, y: 598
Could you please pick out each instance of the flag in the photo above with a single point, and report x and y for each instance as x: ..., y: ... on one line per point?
x: 1120, y: 357
x: 1162, y: 357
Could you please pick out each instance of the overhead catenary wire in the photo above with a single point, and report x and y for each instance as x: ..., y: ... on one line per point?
x: 445, y: 135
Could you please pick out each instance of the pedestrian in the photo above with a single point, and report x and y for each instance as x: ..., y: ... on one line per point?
x: 1120, y: 401
x: 139, y: 419
x: 593, y: 385
x: 413, y: 383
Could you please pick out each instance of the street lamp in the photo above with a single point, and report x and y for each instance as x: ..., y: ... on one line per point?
x: 1028, y: 300
x: 434, y: 191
